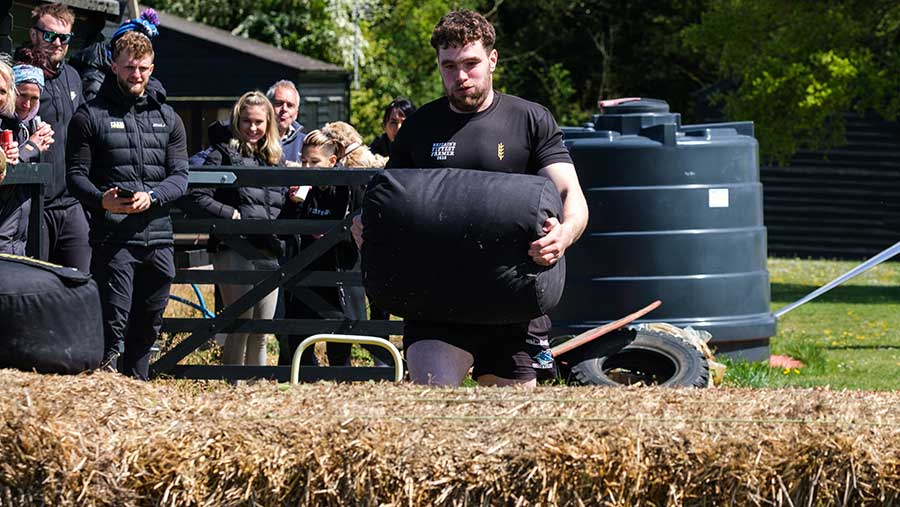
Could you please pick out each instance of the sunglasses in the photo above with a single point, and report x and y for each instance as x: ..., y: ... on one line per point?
x: 49, y: 36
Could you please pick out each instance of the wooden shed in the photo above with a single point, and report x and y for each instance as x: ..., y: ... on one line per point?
x: 205, y: 69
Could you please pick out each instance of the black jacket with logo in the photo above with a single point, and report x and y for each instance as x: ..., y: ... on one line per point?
x: 60, y: 99
x: 135, y: 143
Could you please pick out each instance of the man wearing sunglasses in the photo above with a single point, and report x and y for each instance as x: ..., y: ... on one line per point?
x: 65, y: 231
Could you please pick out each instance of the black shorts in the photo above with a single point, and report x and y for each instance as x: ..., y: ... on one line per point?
x: 511, y: 351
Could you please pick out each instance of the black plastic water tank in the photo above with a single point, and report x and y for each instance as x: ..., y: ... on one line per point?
x: 676, y: 215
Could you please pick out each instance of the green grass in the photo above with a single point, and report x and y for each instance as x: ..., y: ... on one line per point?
x: 849, y: 338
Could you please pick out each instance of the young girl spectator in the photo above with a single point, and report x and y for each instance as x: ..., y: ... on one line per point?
x: 360, y: 156
x: 324, y: 203
x: 251, y: 140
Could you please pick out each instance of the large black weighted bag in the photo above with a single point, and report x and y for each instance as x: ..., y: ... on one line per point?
x: 50, y: 319
x: 451, y: 245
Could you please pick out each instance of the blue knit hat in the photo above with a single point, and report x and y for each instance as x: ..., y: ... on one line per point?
x: 145, y: 24
x: 28, y: 74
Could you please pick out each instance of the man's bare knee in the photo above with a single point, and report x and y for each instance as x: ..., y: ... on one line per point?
x: 433, y: 362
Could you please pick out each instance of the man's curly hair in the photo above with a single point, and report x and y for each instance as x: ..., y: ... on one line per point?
x: 458, y: 28
x: 136, y: 44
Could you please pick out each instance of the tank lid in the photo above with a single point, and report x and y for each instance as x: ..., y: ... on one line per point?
x: 633, y: 105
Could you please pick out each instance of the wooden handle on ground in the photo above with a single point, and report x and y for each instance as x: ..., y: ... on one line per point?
x: 591, y: 334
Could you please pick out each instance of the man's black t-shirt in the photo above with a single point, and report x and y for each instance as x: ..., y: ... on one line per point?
x: 512, y: 135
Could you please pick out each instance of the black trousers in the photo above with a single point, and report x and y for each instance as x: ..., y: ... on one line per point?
x: 134, y: 285
x: 65, y: 237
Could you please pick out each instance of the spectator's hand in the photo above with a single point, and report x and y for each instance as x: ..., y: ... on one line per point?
x: 357, y: 230
x: 112, y: 202
x: 140, y: 203
x: 298, y: 193
x: 236, y: 215
x: 43, y: 136
x: 12, y: 153
x: 292, y: 163
x: 549, y: 249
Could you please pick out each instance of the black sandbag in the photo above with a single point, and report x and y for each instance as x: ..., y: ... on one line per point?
x: 51, y: 317
x: 451, y: 245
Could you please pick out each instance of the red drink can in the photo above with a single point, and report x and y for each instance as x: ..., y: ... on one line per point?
x: 6, y: 138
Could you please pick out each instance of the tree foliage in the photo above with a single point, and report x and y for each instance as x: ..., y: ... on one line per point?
x: 799, y: 66
x: 569, y: 54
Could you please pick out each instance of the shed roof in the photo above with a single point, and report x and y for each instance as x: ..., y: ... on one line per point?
x: 245, y: 45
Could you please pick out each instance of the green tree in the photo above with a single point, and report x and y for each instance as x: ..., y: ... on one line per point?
x: 797, y: 67
x: 569, y: 54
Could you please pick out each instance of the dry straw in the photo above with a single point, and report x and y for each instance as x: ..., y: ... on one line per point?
x: 105, y: 440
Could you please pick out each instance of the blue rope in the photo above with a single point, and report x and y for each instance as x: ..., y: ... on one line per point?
x: 202, y: 303
x: 201, y: 306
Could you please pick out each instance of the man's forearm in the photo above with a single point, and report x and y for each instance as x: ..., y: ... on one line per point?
x: 575, y: 211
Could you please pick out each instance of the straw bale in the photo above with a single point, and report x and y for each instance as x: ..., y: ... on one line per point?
x: 102, y: 439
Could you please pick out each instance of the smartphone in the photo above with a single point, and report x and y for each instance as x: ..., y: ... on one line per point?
x: 124, y: 192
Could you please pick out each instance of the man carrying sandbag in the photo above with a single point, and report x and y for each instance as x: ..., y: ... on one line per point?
x: 476, y: 127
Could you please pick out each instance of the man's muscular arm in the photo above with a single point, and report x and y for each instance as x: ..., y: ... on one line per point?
x: 561, y: 233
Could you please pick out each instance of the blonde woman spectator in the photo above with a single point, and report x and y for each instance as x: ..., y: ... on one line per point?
x: 13, y: 198
x: 251, y: 140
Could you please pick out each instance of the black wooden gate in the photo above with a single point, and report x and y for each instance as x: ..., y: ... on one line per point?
x: 292, y: 275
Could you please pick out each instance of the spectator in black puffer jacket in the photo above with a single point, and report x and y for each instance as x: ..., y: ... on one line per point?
x: 128, y: 139
x: 250, y: 140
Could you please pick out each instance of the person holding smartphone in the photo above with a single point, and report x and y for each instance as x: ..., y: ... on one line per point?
x: 127, y: 153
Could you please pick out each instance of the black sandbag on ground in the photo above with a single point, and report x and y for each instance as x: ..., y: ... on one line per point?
x: 450, y: 245
x: 50, y: 317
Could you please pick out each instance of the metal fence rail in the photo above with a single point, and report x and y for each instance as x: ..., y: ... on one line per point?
x: 293, y: 275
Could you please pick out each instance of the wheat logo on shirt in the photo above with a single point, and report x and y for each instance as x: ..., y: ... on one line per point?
x: 442, y: 151
x: 500, y: 150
